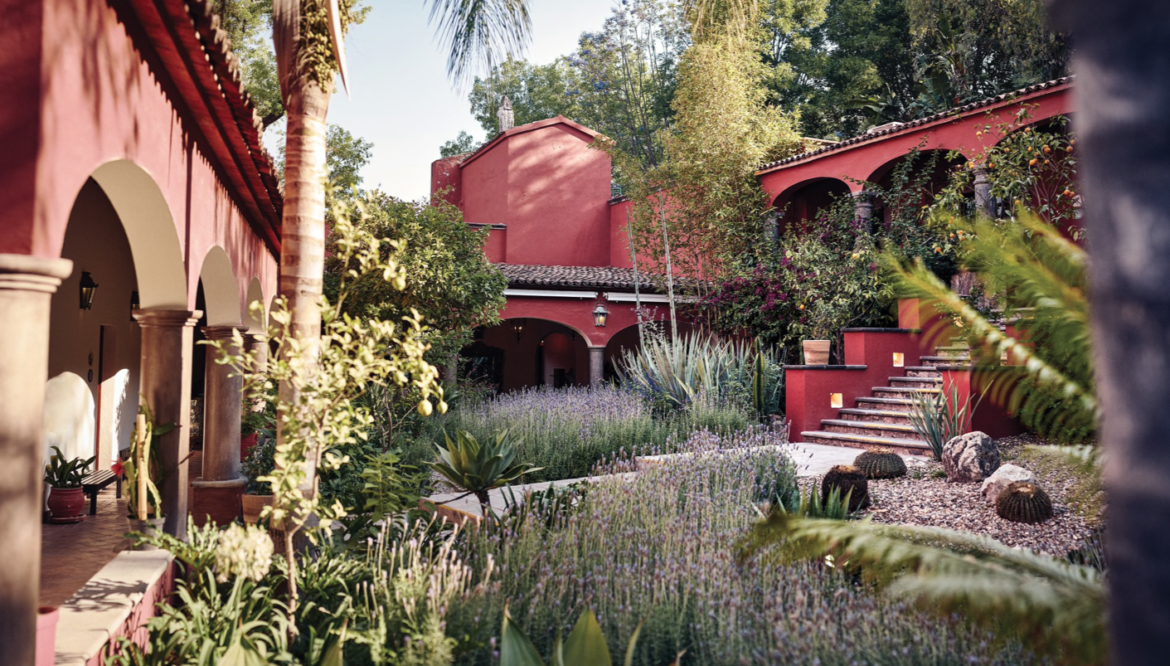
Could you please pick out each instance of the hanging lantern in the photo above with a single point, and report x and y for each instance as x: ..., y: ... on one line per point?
x: 518, y: 327
x: 600, y: 314
x: 88, y: 289
x: 133, y: 304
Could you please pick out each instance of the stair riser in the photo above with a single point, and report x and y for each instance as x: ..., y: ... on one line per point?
x: 862, y: 404
x: 906, y: 451
x: 950, y: 360
x: 900, y: 392
x: 873, y: 432
x: 909, y: 383
x: 924, y: 373
x: 871, y: 418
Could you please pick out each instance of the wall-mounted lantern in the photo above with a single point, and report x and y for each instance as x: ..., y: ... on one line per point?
x: 600, y: 314
x: 88, y: 289
x: 899, y: 360
x: 836, y: 401
x: 134, y: 304
x: 518, y: 327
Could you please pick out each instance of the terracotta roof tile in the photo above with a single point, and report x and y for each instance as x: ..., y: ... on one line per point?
x: 921, y: 121
x: 590, y: 277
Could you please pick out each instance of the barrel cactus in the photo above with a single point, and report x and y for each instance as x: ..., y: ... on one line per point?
x: 1024, y: 502
x: 850, y: 481
x: 880, y: 464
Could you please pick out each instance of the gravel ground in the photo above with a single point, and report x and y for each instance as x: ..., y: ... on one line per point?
x: 935, y: 502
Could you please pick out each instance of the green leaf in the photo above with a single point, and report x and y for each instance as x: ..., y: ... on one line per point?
x: 515, y: 648
x: 586, y: 644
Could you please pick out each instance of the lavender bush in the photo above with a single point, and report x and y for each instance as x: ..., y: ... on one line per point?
x: 659, y: 547
x: 568, y: 431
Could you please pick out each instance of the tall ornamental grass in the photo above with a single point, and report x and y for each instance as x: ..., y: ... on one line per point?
x: 659, y: 547
x: 568, y: 431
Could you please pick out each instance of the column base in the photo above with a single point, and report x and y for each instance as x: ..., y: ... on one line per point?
x: 217, y: 501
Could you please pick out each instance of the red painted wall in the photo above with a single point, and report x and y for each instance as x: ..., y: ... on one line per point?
x: 103, y: 97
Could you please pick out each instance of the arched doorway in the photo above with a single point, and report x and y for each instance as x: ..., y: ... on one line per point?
x: 520, y: 345
x: 804, y: 201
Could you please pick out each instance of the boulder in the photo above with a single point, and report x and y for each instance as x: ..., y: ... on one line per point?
x: 970, y: 458
x: 1002, y: 478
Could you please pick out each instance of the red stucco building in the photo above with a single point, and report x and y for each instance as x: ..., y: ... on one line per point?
x: 133, y: 162
x: 545, y: 195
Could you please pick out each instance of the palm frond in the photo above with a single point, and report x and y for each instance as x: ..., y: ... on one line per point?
x: 479, y: 32
x: 1055, y: 605
x: 1039, y: 277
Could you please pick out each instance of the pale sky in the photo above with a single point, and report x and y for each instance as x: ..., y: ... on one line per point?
x: 401, y: 98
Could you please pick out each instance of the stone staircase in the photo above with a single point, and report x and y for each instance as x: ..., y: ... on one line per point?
x: 882, y: 420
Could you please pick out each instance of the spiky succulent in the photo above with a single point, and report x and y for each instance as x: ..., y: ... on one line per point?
x: 849, y: 480
x: 1024, y: 502
x: 880, y: 464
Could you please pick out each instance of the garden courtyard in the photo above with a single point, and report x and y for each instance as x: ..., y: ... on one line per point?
x: 825, y: 333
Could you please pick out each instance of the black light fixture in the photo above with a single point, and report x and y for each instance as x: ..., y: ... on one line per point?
x: 518, y: 327
x: 133, y: 304
x: 600, y: 314
x: 88, y: 289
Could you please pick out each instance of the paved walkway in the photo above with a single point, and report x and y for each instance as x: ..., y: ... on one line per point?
x: 72, y: 554
x: 811, y: 460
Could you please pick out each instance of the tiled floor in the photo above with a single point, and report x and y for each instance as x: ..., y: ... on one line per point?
x: 72, y: 554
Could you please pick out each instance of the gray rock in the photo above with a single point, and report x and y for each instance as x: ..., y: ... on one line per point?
x: 970, y: 458
x: 1002, y: 478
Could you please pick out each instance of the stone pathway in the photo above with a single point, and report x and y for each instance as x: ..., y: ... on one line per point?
x: 811, y: 460
x: 72, y: 554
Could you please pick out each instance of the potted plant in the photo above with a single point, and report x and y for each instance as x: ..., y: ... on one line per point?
x: 259, y: 463
x: 141, y: 468
x: 251, y: 425
x: 66, y: 500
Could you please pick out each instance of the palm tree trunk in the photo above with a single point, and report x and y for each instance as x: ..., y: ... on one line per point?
x: 302, y: 257
x: 1123, y: 91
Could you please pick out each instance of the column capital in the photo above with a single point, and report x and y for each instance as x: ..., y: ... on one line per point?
x: 162, y: 318
x: 222, y: 332
x: 23, y: 272
x: 864, y: 195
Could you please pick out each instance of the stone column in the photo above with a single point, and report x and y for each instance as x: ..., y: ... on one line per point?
x: 216, y: 495
x: 863, y: 201
x: 26, y: 286
x: 257, y: 343
x: 596, y: 365
x: 984, y: 204
x: 165, y: 385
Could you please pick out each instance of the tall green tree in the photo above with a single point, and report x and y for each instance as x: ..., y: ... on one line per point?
x: 308, y: 37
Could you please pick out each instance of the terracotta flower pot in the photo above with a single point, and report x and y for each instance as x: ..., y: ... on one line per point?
x: 47, y: 617
x: 253, y: 505
x: 816, y: 352
x: 66, y: 505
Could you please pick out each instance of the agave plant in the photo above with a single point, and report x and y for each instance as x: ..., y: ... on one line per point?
x: 478, y: 468
x: 1058, y: 606
x: 938, y: 418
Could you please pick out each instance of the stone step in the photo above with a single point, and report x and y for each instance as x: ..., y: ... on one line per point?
x: 922, y: 371
x: 937, y: 361
x: 875, y: 415
x: 909, y: 447
x: 953, y: 350
x: 871, y: 428
x: 888, y: 404
x: 916, y: 382
x: 899, y: 391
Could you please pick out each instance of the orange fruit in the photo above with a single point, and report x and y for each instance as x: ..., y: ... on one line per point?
x: 1047, y: 149
x: 1032, y: 162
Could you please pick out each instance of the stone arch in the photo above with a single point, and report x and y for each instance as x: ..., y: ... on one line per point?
x: 257, y: 322
x: 221, y: 292
x: 803, y: 201
x: 150, y: 228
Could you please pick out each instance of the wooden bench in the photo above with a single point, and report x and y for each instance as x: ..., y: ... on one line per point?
x: 95, y: 483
